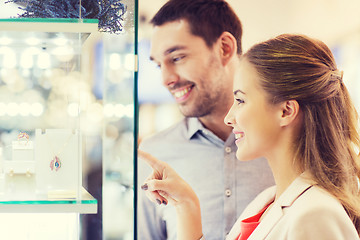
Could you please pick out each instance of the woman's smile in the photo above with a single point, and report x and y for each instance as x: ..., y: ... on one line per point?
x: 238, y: 136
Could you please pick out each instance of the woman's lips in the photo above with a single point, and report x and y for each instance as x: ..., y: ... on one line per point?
x: 238, y: 136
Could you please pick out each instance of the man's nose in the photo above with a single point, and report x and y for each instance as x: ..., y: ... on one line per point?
x: 169, y: 76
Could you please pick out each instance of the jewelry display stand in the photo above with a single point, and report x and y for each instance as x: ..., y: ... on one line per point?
x: 19, y: 180
x: 58, y: 164
x: 22, y: 150
x: 19, y: 173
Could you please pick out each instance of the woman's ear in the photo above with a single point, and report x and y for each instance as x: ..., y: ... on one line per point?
x: 228, y: 47
x: 289, y: 111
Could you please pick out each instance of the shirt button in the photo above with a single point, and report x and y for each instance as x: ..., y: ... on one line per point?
x: 228, y: 149
x: 228, y: 192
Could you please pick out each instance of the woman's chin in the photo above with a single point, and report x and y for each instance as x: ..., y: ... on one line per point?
x: 243, y: 157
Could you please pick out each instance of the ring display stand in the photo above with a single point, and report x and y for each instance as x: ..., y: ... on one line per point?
x: 58, y: 163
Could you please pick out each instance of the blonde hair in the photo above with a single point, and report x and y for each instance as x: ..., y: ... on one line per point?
x: 296, y: 67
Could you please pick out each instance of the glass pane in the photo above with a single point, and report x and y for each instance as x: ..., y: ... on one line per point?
x: 119, y: 127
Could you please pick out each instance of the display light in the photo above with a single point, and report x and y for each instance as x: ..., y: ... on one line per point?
x: 9, y: 57
x: 60, y: 41
x: 129, y: 110
x: 63, y: 53
x: 12, y: 109
x: 94, y: 112
x: 114, y: 61
x: 129, y: 62
x: 24, y: 109
x: 109, y: 110
x: 44, y: 61
x: 2, y: 109
x: 32, y: 41
x: 26, y: 60
x: 119, y: 110
x: 37, y: 109
x: 5, y: 40
x: 73, y: 109
x: 32, y: 51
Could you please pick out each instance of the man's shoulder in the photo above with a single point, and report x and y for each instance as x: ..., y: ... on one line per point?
x: 174, y: 132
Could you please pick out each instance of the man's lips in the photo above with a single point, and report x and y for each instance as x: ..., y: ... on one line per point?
x: 181, y: 94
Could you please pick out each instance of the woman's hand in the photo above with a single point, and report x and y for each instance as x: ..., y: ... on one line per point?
x: 164, y: 185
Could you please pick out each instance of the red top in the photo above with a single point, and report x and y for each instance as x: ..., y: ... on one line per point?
x: 248, y: 225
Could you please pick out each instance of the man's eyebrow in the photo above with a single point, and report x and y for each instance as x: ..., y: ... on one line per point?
x: 170, y: 50
x: 238, y: 91
x: 173, y: 49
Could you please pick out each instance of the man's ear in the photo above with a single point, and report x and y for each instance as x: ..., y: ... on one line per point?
x: 289, y: 112
x: 228, y: 47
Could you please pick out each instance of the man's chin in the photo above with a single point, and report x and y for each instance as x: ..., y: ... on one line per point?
x: 191, y: 112
x: 187, y: 112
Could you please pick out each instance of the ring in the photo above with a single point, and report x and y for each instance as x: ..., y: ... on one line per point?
x: 23, y: 135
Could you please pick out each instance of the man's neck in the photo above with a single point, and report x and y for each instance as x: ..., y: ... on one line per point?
x: 217, y: 126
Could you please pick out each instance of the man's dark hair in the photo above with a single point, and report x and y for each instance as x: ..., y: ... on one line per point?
x: 208, y: 19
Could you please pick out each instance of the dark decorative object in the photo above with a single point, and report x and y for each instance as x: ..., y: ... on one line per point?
x: 110, y: 13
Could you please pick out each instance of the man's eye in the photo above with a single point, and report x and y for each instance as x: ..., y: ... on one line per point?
x: 176, y: 59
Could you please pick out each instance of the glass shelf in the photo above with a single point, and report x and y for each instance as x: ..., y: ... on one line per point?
x: 87, y: 204
x: 49, y: 25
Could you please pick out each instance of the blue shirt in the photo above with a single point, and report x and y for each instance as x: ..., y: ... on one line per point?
x: 223, y: 184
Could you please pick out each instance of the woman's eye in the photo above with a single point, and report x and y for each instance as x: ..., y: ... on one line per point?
x: 239, y: 101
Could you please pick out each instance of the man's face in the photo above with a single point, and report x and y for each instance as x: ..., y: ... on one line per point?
x: 191, y: 71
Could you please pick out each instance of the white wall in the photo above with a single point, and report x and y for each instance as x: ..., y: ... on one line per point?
x: 8, y: 10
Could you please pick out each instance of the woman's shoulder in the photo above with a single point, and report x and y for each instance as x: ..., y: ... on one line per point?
x: 319, y: 213
x: 318, y: 198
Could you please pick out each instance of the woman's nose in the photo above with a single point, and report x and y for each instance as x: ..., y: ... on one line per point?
x: 228, y: 120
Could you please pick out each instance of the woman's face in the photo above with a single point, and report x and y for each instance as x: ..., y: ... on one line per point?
x: 255, y: 122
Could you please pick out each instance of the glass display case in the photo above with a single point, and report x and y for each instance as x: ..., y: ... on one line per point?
x: 68, y: 127
x: 40, y: 105
x: 43, y: 102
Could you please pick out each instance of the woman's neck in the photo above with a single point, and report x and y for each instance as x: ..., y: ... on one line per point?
x: 283, y: 169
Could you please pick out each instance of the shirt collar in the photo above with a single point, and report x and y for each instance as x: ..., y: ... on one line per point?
x: 195, y: 128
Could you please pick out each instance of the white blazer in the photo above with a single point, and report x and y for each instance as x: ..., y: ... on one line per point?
x: 303, y: 212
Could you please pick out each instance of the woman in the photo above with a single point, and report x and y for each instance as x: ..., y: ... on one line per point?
x: 292, y: 107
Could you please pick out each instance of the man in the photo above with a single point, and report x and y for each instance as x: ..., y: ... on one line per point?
x: 196, y: 44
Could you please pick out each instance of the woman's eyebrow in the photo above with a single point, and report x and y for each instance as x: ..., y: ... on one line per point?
x: 239, y: 91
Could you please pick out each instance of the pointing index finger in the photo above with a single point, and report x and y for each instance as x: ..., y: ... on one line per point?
x: 152, y: 161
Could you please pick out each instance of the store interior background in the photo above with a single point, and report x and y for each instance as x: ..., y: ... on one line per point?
x: 336, y: 22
